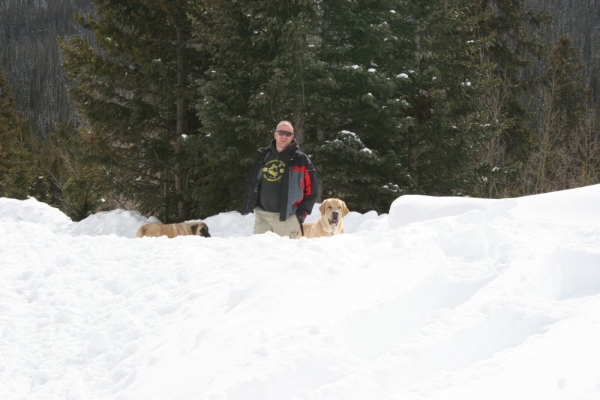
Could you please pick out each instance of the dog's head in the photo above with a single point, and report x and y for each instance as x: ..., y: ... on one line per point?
x: 334, y: 210
x: 200, y: 228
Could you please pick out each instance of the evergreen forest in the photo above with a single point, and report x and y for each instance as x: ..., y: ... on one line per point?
x: 160, y: 106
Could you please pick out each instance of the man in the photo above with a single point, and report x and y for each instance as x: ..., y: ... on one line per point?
x: 283, y: 185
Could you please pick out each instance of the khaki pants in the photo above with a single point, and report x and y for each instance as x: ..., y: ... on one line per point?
x: 269, y: 222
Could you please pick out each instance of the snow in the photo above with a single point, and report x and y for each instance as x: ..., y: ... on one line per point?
x: 442, y: 298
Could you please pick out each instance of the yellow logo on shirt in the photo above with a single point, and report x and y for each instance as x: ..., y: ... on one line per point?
x: 273, y: 170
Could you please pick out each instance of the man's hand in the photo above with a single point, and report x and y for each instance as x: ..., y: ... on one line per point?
x: 301, y: 215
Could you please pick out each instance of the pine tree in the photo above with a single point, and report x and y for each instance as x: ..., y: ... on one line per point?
x: 8, y: 127
x: 361, y: 121
x: 515, y: 32
x: 76, y: 184
x: 19, y: 173
x: 133, y: 87
x: 408, y: 76
x: 448, y: 79
x: 565, y: 144
x: 567, y: 77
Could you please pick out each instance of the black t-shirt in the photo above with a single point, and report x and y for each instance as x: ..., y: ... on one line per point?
x: 269, y: 196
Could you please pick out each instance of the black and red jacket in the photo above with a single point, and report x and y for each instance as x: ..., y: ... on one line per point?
x: 299, y: 186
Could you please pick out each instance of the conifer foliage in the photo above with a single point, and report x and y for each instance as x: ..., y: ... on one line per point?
x: 403, y: 112
x: 133, y: 88
x: 365, y: 52
x: 72, y: 175
x: 358, y: 80
x: 514, y: 39
x: 20, y: 175
x: 567, y: 147
x: 447, y: 79
x: 262, y: 71
x: 388, y: 97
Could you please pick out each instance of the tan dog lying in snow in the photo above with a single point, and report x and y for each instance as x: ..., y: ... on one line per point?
x: 173, y: 230
x: 331, y: 221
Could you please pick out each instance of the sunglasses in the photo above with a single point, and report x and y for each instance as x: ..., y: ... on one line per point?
x: 284, y: 133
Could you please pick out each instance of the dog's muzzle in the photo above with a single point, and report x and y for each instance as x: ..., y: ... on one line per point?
x: 335, y: 218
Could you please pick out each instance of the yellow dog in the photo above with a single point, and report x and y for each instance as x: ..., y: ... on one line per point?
x: 331, y: 221
x: 173, y: 230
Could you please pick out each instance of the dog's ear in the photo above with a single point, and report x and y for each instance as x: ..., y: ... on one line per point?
x: 204, y: 231
x: 323, y: 207
x: 194, y: 228
x: 345, y: 210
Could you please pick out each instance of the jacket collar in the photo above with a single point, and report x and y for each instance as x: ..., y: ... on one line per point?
x: 291, y: 148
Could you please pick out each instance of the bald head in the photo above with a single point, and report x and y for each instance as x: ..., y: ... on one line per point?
x: 285, y: 126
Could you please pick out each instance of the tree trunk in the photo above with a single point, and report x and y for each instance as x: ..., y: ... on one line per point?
x: 183, y: 207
